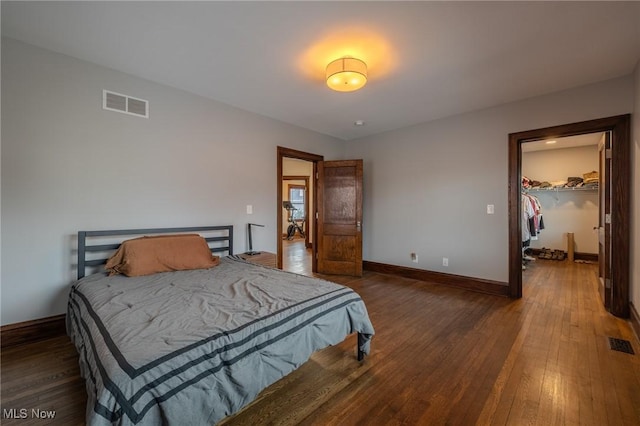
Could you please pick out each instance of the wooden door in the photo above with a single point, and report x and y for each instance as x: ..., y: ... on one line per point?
x: 604, y: 219
x: 339, y: 222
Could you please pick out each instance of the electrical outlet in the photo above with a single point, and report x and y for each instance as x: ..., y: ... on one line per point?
x: 414, y: 258
x: 249, y: 209
x: 445, y: 261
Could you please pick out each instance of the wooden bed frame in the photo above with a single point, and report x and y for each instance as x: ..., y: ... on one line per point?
x: 223, y: 243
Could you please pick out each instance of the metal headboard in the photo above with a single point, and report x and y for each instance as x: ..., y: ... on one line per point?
x: 84, y: 248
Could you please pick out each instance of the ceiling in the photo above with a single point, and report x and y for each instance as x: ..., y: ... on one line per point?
x: 562, y: 143
x: 427, y: 60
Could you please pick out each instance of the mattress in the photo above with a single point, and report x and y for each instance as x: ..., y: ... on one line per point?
x: 192, y: 347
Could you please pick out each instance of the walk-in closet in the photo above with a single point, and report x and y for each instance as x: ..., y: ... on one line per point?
x: 560, y: 200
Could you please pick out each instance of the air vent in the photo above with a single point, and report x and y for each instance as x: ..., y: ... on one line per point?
x: 621, y: 345
x: 118, y: 102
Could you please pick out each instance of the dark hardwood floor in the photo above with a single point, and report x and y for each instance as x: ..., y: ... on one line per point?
x: 440, y: 356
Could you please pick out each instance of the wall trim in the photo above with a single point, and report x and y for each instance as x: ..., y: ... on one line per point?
x: 480, y: 285
x: 634, y: 319
x: 31, y: 331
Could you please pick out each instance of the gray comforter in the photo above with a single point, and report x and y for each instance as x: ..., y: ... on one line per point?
x: 193, y: 347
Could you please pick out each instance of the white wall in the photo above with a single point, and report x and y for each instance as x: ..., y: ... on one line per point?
x: 426, y: 187
x: 68, y: 165
x: 565, y: 211
x: 635, y: 197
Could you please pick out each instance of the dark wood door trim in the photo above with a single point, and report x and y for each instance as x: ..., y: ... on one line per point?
x: 604, y: 228
x: 620, y: 127
x: 300, y: 155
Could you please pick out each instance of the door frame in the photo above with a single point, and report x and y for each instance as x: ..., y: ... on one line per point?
x: 620, y: 127
x: 604, y: 229
x: 283, y: 152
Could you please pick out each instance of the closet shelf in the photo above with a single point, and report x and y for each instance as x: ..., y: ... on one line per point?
x: 555, y: 191
x: 562, y: 189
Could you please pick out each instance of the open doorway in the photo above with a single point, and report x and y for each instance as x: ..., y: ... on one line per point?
x: 297, y: 225
x: 336, y: 220
x: 297, y: 168
x: 561, y: 203
x: 618, y: 180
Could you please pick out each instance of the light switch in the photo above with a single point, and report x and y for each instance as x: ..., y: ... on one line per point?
x: 490, y: 209
x: 249, y: 209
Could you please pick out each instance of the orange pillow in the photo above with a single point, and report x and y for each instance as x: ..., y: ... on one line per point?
x: 163, y: 253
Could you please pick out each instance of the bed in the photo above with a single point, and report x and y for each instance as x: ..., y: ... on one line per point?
x: 194, y: 346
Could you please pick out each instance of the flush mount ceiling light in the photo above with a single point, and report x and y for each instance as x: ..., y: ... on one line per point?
x: 346, y: 74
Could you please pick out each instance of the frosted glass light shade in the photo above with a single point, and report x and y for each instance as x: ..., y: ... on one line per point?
x: 346, y: 74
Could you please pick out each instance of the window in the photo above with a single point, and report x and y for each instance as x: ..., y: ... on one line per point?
x: 297, y: 194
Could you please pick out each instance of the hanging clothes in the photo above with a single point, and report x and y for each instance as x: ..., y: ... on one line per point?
x: 532, y: 222
x: 527, y: 213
